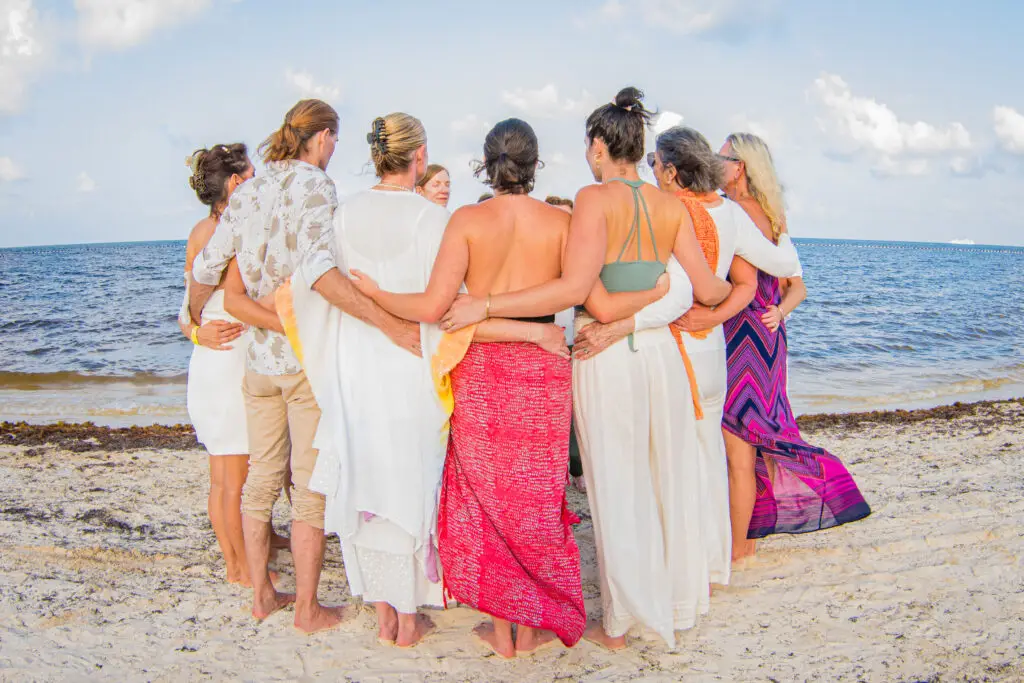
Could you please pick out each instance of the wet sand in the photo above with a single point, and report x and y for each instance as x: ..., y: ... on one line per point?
x: 110, y: 571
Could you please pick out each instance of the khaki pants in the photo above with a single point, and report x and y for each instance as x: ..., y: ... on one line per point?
x: 282, y: 417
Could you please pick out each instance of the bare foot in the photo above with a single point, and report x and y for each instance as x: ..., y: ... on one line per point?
x: 320, y: 619
x: 422, y: 626
x: 387, y: 624
x: 263, y: 607
x: 595, y: 634
x: 485, y: 632
x: 580, y: 484
x: 530, y: 640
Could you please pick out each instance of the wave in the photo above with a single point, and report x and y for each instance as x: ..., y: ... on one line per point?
x: 53, y: 380
x: 934, y: 395
x: 962, y: 241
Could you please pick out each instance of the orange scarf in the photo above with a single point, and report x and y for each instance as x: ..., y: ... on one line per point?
x: 707, y: 237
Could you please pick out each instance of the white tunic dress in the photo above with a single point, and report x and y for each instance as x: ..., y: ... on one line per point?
x: 737, y: 236
x: 382, y: 432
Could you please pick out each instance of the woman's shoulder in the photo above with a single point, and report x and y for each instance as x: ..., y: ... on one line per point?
x: 199, y: 236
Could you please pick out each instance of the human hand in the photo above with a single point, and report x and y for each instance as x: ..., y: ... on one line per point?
x: 218, y: 334
x: 465, y: 311
x: 552, y: 340
x: 365, y: 284
x: 697, y: 319
x: 593, y: 338
x: 772, y: 318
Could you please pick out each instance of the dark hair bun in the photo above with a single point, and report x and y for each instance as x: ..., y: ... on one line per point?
x: 510, y: 157
x: 629, y: 98
x: 211, y: 170
x: 620, y: 124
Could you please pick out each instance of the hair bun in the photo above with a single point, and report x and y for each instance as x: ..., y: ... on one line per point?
x: 630, y: 99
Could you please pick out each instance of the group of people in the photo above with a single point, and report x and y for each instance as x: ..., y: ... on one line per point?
x: 399, y: 372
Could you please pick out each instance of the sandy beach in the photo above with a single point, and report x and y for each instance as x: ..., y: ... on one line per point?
x: 110, y: 571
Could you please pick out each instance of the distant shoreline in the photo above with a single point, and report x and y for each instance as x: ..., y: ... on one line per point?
x: 87, y: 436
x: 949, y: 244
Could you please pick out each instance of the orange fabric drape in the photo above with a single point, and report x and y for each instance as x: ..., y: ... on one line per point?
x: 707, y: 237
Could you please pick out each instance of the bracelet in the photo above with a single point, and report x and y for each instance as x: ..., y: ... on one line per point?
x: 487, y: 308
x: 195, y: 335
x: 781, y: 312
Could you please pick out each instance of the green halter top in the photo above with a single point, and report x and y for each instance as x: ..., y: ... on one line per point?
x: 638, y: 275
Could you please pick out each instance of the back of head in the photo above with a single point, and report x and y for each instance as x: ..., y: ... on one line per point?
x: 302, y: 122
x: 697, y: 166
x: 212, y: 169
x: 621, y: 124
x: 511, y: 155
x: 432, y: 170
x: 558, y: 201
x: 394, y: 140
x: 762, y: 180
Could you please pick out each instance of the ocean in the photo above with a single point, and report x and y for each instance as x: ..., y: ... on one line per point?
x: 88, y: 332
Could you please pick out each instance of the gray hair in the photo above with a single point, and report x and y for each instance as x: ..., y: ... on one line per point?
x: 697, y: 166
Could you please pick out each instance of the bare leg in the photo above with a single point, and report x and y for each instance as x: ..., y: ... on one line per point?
x: 412, y: 628
x: 308, y: 553
x: 742, y: 492
x: 595, y: 633
x: 497, y: 636
x: 387, y: 623
x: 215, y: 509
x: 265, y: 598
x: 235, y: 468
x: 530, y: 639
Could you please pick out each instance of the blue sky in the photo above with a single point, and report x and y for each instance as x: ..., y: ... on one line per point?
x: 887, y: 120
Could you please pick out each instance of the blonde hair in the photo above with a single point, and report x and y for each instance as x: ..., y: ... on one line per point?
x: 762, y: 180
x: 301, y: 123
x: 393, y: 141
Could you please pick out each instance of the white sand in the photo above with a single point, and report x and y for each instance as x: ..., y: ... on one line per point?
x: 109, y: 571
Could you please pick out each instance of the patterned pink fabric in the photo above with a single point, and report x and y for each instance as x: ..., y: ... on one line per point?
x: 505, y: 534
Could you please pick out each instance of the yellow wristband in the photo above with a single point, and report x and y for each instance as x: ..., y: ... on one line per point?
x: 195, y: 335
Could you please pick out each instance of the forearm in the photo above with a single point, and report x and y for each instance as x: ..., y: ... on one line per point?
x: 340, y: 292
x: 669, y: 307
x: 606, y: 308
x: 794, y: 295
x: 421, y: 307
x: 780, y: 260
x: 739, y: 298
x: 546, y: 299
x: 199, y: 294
x: 250, y: 312
x: 504, y: 330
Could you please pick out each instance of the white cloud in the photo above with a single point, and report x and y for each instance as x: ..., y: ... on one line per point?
x: 545, y: 102
x: 1009, y: 127
x: 21, y: 51
x: 10, y: 171
x: 120, y: 24
x: 307, y: 86
x: 470, y: 124
x: 666, y: 120
x: 863, y: 126
x: 84, y: 183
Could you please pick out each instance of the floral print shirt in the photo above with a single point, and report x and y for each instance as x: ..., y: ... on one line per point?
x: 277, y: 224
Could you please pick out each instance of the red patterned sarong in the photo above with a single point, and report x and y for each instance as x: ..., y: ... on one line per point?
x: 504, y: 526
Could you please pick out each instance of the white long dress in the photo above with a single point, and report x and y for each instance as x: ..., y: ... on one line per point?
x: 382, y: 431
x: 213, y: 397
x: 737, y: 236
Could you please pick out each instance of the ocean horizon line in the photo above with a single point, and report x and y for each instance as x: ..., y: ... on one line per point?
x: 953, y: 244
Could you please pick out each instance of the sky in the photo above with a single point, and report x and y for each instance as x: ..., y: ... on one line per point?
x: 887, y: 120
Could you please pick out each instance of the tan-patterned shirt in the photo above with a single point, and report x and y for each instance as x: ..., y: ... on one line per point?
x: 276, y: 224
